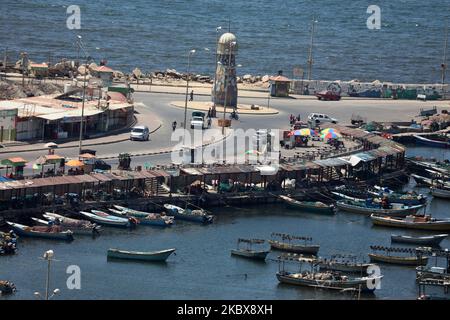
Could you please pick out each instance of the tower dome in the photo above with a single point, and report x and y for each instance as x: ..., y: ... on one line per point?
x: 224, y: 43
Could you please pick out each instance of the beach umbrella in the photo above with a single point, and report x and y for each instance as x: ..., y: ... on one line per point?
x: 51, y: 145
x: 327, y: 130
x: 74, y: 163
x: 87, y: 156
x: 331, y: 135
x: 307, y: 132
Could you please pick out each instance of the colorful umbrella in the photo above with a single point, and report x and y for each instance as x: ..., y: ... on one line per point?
x: 253, y: 152
x: 327, y: 130
x: 74, y: 163
x: 302, y: 132
x: 331, y: 135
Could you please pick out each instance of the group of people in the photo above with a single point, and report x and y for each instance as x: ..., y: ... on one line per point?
x: 293, y: 119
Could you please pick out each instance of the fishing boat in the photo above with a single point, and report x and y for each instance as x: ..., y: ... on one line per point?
x: 344, y: 263
x: 51, y: 233
x: 188, y: 214
x: 310, y: 206
x: 426, y: 240
x: 431, y: 182
x: 154, y: 256
x: 412, y: 222
x: 78, y: 227
x: 248, y: 252
x: 440, y: 192
x: 151, y: 219
x: 130, y: 212
x: 285, y: 243
x: 7, y: 287
x: 412, y: 260
x: 395, y: 209
x: 107, y: 220
x: 436, y: 142
x: 329, y: 280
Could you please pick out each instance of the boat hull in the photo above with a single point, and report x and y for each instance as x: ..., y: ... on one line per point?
x: 156, y: 256
x: 360, y: 268
x: 405, y: 261
x: 250, y: 254
x: 440, y: 193
x: 179, y: 214
x: 431, y: 143
x: 106, y: 222
x: 21, y: 231
x: 295, y: 248
x: 394, y: 223
x: 357, y: 284
x: 431, y: 240
x: 379, y: 211
x: 307, y: 206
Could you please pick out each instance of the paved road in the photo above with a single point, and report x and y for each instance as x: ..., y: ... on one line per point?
x: 378, y: 110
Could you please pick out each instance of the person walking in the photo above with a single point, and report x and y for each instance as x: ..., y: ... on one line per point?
x: 174, y: 125
x: 192, y: 96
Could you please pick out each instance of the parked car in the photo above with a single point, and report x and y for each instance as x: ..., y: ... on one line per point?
x: 318, y: 118
x: 328, y: 95
x: 140, y: 133
x: 101, y: 165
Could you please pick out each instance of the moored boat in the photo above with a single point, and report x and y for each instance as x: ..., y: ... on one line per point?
x: 310, y: 206
x: 440, y: 192
x: 438, y: 142
x: 413, y: 259
x: 249, y: 252
x: 188, y: 214
x: 394, y: 210
x: 52, y: 233
x: 434, y: 240
x: 344, y: 263
x: 154, y: 256
x: 107, y: 221
x: 412, y: 222
x: 78, y: 227
x: 286, y: 244
x: 151, y: 219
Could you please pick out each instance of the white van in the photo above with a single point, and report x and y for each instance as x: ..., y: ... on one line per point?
x: 318, y: 118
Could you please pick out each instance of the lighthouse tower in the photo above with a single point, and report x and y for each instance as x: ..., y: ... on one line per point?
x: 225, y: 85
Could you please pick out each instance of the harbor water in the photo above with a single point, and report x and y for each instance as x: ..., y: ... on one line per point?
x: 203, y: 267
x: 272, y: 35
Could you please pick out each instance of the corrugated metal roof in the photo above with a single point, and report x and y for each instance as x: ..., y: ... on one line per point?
x: 331, y: 162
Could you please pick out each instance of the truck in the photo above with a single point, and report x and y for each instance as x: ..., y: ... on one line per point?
x: 198, y: 120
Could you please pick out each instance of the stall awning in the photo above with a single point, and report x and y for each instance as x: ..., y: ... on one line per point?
x: 70, y: 114
x: 14, y: 162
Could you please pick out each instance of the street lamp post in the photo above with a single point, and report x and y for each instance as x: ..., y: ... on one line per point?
x: 215, y: 69
x: 82, y: 108
x: 232, y: 44
x: 48, y: 255
x: 187, y: 92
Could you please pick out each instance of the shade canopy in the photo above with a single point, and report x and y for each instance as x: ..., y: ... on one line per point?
x: 14, y: 162
x: 51, y: 145
x: 86, y: 156
x: 49, y: 159
x: 331, y: 135
x: 74, y: 163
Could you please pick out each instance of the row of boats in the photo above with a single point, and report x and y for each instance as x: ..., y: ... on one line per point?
x: 58, y: 227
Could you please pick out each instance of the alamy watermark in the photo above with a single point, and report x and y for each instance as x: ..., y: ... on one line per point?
x: 374, y: 20
x: 73, y: 22
x: 74, y: 280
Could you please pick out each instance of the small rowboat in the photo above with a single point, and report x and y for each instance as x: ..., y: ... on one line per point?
x: 107, y: 221
x: 440, y: 192
x: 406, y: 261
x: 78, y: 227
x: 188, y: 215
x: 154, y: 256
x: 51, y: 233
x: 130, y: 212
x: 412, y: 222
x: 427, y: 240
x: 397, y: 210
x: 310, y: 206
x: 151, y: 219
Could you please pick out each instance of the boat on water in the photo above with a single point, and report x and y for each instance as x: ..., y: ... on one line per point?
x: 7, y: 287
x: 310, y: 206
x: 78, y: 227
x: 286, y: 242
x: 188, y: 214
x: 52, y: 233
x: 431, y: 182
x: 413, y: 259
x: 108, y: 220
x: 153, y: 256
x: 412, y: 222
x: 151, y: 219
x: 248, y: 251
x: 8, y: 243
x: 344, y: 263
x: 434, y: 240
x: 440, y: 192
x: 330, y: 280
x: 393, y: 209
x: 130, y: 212
x: 441, y: 141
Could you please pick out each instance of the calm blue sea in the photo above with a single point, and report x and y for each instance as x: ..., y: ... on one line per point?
x: 272, y: 35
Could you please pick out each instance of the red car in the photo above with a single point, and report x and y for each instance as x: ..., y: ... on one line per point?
x: 328, y: 95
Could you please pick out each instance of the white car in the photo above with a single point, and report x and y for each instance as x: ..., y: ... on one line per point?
x: 198, y: 122
x: 140, y: 133
x: 318, y: 118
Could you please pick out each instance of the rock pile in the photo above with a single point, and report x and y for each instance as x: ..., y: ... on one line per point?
x: 14, y: 90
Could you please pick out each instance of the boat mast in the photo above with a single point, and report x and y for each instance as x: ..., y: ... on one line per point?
x: 444, y: 61
x: 310, y: 58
